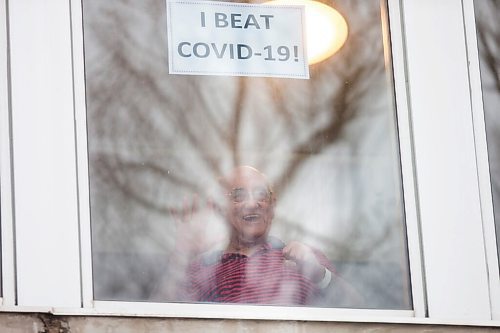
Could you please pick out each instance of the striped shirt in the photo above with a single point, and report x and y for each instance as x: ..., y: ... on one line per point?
x: 262, y: 278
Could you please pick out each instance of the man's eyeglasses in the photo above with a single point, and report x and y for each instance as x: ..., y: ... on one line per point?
x: 238, y: 195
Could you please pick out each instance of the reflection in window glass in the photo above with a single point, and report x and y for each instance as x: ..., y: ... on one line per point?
x: 173, y: 220
x: 488, y: 34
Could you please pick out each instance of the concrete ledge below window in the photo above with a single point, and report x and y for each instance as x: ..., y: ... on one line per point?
x: 48, y: 323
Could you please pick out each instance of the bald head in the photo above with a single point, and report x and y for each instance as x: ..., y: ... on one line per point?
x: 244, y: 172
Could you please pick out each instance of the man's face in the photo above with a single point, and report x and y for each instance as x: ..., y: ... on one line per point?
x: 250, y: 207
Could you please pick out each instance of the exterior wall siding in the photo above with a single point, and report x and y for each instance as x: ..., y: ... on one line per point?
x: 46, y: 323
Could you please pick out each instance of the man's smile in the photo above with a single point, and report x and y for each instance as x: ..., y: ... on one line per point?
x: 251, y: 217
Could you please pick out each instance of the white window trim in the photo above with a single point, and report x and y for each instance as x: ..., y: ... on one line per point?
x: 6, y: 200
x: 45, y: 219
x: 415, y: 104
x: 482, y: 158
x: 81, y: 152
x: 407, y: 157
x: 449, y: 203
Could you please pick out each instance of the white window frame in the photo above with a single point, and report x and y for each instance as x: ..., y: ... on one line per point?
x: 44, y: 219
x: 6, y: 200
x: 46, y: 248
x: 490, y: 241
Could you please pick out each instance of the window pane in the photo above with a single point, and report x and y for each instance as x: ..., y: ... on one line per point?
x: 166, y: 217
x: 488, y: 34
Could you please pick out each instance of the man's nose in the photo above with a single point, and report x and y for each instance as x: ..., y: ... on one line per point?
x: 251, y: 201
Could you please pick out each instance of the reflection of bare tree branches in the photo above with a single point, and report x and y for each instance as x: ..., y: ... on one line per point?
x: 138, y: 87
x: 119, y: 172
x: 349, y: 250
x: 148, y: 125
x: 236, y: 121
x: 321, y: 138
x: 489, y: 38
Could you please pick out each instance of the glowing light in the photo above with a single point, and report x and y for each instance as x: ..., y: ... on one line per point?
x: 326, y: 29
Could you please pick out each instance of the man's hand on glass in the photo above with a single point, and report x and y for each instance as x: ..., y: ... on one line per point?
x: 303, y: 257
x: 191, y: 226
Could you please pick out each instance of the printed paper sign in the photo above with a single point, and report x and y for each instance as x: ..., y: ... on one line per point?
x: 224, y: 38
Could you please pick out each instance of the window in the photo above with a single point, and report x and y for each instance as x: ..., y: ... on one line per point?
x: 328, y: 145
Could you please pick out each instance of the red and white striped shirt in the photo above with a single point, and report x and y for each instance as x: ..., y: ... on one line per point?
x: 262, y: 278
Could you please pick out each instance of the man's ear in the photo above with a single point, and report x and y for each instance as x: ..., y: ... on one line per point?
x: 272, y: 204
x: 273, y: 198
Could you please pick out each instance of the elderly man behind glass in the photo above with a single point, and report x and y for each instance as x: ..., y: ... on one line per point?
x: 254, y: 267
